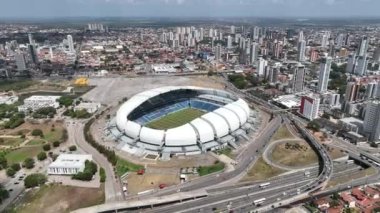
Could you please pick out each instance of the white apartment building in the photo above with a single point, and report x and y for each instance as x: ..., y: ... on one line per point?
x: 309, y: 107
x: 68, y: 164
x: 371, y: 126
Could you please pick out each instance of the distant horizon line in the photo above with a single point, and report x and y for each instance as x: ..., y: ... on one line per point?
x: 186, y: 17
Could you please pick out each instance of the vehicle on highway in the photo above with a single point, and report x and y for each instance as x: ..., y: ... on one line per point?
x: 264, y: 185
x: 259, y: 201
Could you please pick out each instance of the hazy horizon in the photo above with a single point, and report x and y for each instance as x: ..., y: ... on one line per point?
x: 189, y: 8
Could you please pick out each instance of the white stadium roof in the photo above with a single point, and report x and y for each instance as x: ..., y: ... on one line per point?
x: 207, y: 128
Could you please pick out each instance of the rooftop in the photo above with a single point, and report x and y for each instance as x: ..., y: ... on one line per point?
x: 70, y: 160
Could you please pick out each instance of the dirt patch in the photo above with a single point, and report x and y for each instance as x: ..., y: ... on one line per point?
x: 57, y: 198
x: 261, y: 171
x: 148, y: 181
x: 282, y: 133
x: 294, y: 153
x: 186, y: 161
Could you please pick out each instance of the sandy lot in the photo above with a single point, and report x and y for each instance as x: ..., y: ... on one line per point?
x: 148, y: 181
x: 111, y: 90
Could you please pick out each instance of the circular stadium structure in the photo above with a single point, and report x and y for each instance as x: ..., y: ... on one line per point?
x: 180, y: 120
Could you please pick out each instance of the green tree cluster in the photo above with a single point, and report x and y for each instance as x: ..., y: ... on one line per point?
x: 238, y: 80
x: 28, y: 163
x: 44, y: 112
x: 34, y: 180
x: 65, y: 101
x: 89, y: 171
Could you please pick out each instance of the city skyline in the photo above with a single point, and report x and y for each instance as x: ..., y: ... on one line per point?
x: 187, y: 8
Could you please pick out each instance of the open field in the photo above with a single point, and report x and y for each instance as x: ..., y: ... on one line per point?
x: 19, y: 155
x: 123, y: 166
x: 10, y: 141
x: 140, y: 183
x: 261, y: 171
x: 294, y: 154
x: 58, y: 198
x: 282, y: 133
x: 205, y: 170
x: 347, y: 178
x: 35, y: 142
x: 176, y: 119
x: 112, y: 90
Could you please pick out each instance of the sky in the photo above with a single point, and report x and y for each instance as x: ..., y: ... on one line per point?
x: 188, y: 8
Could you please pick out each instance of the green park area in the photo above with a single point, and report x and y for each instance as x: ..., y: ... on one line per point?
x: 20, y: 154
x: 216, y: 167
x: 123, y: 166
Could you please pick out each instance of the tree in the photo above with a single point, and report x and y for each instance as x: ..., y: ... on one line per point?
x: 102, y: 174
x: 3, y: 162
x: 56, y: 143
x: 34, y: 180
x: 28, y: 163
x: 41, y: 156
x: 37, y: 132
x: 65, y: 101
x: 46, y: 147
x: 10, y: 172
x: 4, y: 194
x: 313, y: 125
x: 73, y: 148
x: 16, y: 166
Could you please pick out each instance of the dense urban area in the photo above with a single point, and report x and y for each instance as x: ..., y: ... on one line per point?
x: 190, y: 115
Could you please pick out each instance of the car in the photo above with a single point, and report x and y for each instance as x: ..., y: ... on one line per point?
x: 16, y: 183
x: 10, y: 190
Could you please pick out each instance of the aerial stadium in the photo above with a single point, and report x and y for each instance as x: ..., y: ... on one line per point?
x: 186, y: 120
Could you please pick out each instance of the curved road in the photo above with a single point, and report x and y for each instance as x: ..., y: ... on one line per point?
x: 268, y: 160
x: 112, y: 186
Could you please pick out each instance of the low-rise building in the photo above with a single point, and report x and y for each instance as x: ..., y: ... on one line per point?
x: 68, y: 164
x: 90, y: 107
x: 8, y: 99
x: 38, y: 101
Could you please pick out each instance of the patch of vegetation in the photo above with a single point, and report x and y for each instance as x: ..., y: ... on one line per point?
x: 313, y: 125
x: 205, y: 170
x: 16, y: 85
x: 4, y: 194
x: 35, y: 142
x: 15, y: 120
x: 110, y: 155
x: 282, y: 133
x: 28, y: 163
x: 41, y: 156
x: 123, y: 166
x: 89, y: 171
x: 19, y: 155
x: 33, y: 180
x: 11, y: 141
x: 77, y: 114
x: 297, y: 154
x: 45, y: 112
x: 102, y: 174
x: 225, y: 151
x: 65, y: 101
x: 37, y: 132
x: 238, y: 81
x: 73, y: 148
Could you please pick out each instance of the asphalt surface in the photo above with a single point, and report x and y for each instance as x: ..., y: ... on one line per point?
x: 112, y: 186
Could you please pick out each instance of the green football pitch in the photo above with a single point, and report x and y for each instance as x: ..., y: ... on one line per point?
x: 176, y: 119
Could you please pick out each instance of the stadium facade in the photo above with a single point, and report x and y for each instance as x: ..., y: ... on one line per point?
x: 226, y: 118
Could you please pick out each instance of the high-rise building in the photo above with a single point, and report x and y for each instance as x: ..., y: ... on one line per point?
x: 30, y: 38
x: 256, y: 33
x: 20, y: 62
x: 201, y: 34
x: 363, y: 46
x: 352, y: 92
x: 371, y: 125
x: 309, y: 107
x: 218, y: 52
x: 376, y: 55
x: 334, y: 100
x: 33, y: 54
x: 351, y: 63
x: 261, y: 66
x: 324, y: 74
x: 273, y: 74
x: 340, y: 41
x: 361, y: 65
x: 70, y: 43
x: 229, y: 42
x: 300, y: 36
x: 324, y: 41
x: 372, y: 90
x: 314, y: 55
x: 253, y: 52
x: 298, y: 78
x: 232, y: 29
x: 301, y: 51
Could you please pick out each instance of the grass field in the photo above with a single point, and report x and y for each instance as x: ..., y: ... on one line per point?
x: 176, y: 119
x: 35, y: 142
x: 58, y: 198
x: 282, y: 133
x: 205, y: 170
x: 19, y: 155
x: 10, y: 141
x: 123, y: 166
